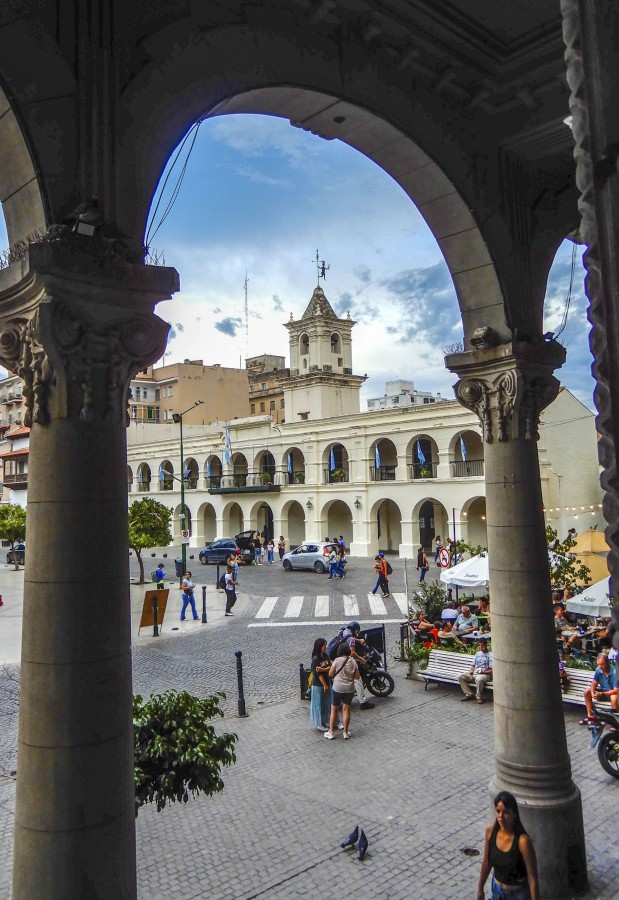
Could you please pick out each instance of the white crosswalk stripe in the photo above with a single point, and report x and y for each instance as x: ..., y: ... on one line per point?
x: 377, y: 605
x: 267, y: 608
x: 293, y: 610
x: 402, y: 602
x: 351, y: 607
x: 322, y: 605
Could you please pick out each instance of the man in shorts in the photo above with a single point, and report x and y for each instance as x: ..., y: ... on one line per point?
x: 344, y: 672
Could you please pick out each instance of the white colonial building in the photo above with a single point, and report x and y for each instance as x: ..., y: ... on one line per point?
x: 391, y: 479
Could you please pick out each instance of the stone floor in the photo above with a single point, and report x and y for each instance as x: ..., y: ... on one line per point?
x: 415, y: 775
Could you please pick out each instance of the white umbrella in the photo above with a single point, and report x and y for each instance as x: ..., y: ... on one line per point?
x: 592, y: 602
x: 472, y: 573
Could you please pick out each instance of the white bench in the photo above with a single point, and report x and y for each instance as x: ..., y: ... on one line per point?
x: 445, y: 667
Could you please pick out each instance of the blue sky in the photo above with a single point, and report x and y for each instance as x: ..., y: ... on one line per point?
x: 262, y: 196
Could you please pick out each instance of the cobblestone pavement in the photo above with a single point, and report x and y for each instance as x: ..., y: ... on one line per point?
x: 415, y: 775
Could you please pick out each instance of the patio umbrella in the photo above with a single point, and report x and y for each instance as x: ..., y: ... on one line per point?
x: 592, y: 602
x: 471, y: 573
x: 591, y: 549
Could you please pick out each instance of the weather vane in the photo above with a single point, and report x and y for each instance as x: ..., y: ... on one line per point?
x: 321, y: 269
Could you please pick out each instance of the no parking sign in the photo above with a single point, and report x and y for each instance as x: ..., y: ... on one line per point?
x: 185, y: 536
x: 443, y: 557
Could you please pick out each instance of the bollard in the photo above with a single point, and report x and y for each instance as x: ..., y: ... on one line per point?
x: 155, y: 616
x: 302, y: 681
x: 203, y: 604
x: 217, y: 577
x: 239, y: 674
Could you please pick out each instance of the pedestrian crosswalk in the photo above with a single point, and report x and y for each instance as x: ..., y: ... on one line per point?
x: 291, y: 610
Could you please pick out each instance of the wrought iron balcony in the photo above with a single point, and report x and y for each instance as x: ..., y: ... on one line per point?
x: 382, y: 473
x: 424, y: 470
x: 469, y: 468
x: 243, y: 483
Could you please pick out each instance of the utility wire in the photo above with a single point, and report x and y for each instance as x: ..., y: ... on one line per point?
x: 568, y: 299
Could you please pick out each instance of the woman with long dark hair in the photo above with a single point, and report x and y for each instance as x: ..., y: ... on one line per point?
x: 320, y: 700
x: 510, y: 854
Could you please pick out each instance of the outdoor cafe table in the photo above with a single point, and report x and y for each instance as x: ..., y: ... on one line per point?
x: 479, y: 636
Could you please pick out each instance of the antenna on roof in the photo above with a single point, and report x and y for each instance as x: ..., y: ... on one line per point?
x: 246, y: 318
x: 321, y: 269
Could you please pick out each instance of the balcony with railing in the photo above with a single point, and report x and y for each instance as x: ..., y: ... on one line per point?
x: 242, y: 483
x: 335, y: 476
x: 420, y: 471
x: 16, y: 479
x: 382, y: 473
x: 470, y: 468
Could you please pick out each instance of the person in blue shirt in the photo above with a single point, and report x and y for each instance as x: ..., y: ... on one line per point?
x: 603, y: 688
x: 160, y: 575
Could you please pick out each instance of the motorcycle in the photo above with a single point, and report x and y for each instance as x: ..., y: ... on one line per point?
x: 373, y: 674
x: 607, y: 744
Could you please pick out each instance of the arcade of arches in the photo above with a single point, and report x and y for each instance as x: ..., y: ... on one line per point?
x: 481, y: 147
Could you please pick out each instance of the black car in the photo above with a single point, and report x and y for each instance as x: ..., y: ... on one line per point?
x: 221, y: 550
x: 20, y: 553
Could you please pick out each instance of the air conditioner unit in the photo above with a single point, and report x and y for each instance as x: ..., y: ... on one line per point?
x: 314, y: 368
x: 347, y: 371
x: 327, y: 368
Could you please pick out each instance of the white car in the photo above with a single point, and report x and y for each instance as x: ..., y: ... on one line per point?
x: 311, y: 555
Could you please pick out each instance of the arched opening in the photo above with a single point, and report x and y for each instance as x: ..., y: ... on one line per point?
x: 265, y: 466
x: 304, y: 346
x: 337, y: 519
x: 335, y: 464
x: 212, y: 472
x: 239, y: 472
x: 233, y: 520
x: 386, y: 527
x: 423, y: 457
x: 144, y: 477
x: 475, y: 512
x: 433, y: 520
x: 166, y: 475
x: 336, y: 344
x: 191, y: 473
x: 293, y: 524
x: 206, y: 524
x: 383, y: 460
x: 294, y: 466
x: 467, y: 455
x: 129, y: 479
x: 261, y: 519
x: 180, y: 522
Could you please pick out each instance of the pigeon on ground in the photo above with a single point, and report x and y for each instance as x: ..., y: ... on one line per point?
x: 351, y: 840
x: 362, y: 846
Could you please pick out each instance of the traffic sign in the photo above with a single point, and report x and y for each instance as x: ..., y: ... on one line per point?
x: 185, y: 536
x: 443, y: 557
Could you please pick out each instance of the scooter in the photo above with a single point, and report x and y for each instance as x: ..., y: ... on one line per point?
x: 607, y: 744
x: 373, y: 674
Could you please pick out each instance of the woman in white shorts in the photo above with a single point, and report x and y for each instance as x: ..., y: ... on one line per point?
x: 344, y: 673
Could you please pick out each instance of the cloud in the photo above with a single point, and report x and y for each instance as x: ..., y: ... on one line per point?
x: 179, y: 326
x: 171, y: 335
x: 278, y: 306
x: 253, y: 174
x: 229, y: 326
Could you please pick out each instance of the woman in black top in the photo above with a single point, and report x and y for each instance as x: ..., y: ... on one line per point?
x: 510, y: 853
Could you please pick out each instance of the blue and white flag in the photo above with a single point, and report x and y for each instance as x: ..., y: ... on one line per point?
x: 377, y: 458
x: 290, y: 463
x: 227, y: 447
x: 462, y: 448
x: 208, y: 468
x: 186, y: 473
x: 331, y: 460
x: 420, y: 454
x: 162, y: 472
x: 140, y: 476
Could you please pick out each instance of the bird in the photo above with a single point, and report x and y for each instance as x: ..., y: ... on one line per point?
x: 362, y: 846
x: 351, y: 840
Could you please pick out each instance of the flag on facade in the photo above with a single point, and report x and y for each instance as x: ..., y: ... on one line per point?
x: 140, y: 476
x: 462, y: 448
x: 377, y: 458
x: 186, y: 473
x: 290, y: 463
x: 208, y: 468
x: 420, y: 454
x: 331, y: 460
x: 227, y: 447
x: 161, y: 472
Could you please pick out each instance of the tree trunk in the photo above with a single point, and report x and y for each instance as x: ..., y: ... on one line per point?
x: 138, y: 554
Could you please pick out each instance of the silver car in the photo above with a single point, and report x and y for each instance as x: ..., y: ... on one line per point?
x: 311, y: 555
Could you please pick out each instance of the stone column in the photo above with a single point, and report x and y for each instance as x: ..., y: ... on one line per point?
x: 77, y: 328
x: 507, y: 387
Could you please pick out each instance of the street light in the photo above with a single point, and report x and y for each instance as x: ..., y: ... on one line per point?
x: 177, y: 418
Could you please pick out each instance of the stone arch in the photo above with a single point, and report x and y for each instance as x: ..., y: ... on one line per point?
x: 265, y: 467
x: 469, y: 462
x: 336, y: 342
x: 213, y: 471
x: 385, y: 526
x: 335, y: 463
x: 166, y: 476
x: 293, y: 465
x: 129, y: 479
x: 233, y: 520
x: 178, y: 524
x: 475, y: 512
x: 387, y: 459
x: 261, y: 518
x: 422, y: 457
x: 432, y: 518
x: 144, y: 477
x: 206, y: 524
x: 240, y: 471
x: 293, y: 523
x: 191, y: 473
x: 304, y: 345
x: 336, y: 518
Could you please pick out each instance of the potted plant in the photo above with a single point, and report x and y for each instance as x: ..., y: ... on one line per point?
x: 239, y: 480
x: 299, y: 477
x: 266, y: 478
x: 416, y: 655
x: 338, y: 475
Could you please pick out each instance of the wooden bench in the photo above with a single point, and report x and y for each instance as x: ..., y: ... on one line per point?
x: 445, y: 667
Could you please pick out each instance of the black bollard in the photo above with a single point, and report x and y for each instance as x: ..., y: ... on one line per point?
x: 204, y: 604
x: 239, y: 675
x: 155, y: 616
x: 217, y: 577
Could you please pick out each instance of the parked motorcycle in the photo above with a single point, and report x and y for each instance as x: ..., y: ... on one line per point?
x: 373, y: 674
x: 607, y: 744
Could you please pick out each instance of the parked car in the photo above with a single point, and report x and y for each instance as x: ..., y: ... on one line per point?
x: 20, y: 553
x: 244, y: 539
x: 309, y: 556
x: 221, y: 550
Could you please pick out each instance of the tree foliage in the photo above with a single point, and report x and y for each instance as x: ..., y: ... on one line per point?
x: 429, y: 598
x: 12, y: 526
x: 177, y: 753
x: 566, y: 570
x: 149, y: 526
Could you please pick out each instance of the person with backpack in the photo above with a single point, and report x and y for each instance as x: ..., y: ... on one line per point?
x: 229, y: 587
x: 387, y: 570
x: 332, y: 563
x: 380, y: 576
x: 320, y: 697
x: 159, y: 576
x: 349, y: 634
x: 345, y: 674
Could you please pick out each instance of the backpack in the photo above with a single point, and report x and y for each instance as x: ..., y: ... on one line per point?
x: 334, y: 643
x: 222, y: 582
x: 389, y: 568
x: 153, y: 576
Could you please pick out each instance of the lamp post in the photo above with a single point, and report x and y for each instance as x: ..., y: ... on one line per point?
x: 177, y: 418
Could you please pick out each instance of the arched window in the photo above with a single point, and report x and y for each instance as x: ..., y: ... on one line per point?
x: 304, y: 344
x: 336, y: 343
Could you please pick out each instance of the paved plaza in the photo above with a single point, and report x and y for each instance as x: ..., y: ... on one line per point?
x: 414, y: 775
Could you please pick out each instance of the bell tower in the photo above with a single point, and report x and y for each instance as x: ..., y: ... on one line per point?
x: 321, y: 383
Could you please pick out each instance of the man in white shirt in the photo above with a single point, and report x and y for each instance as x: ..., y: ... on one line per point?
x: 466, y: 622
x: 480, y: 674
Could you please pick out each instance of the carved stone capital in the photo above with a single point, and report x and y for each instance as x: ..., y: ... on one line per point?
x: 507, y: 387
x: 76, y: 333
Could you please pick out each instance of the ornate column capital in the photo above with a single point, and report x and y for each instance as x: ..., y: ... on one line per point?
x: 508, y: 386
x: 77, y: 328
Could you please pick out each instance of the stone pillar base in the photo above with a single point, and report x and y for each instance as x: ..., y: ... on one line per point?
x: 361, y: 548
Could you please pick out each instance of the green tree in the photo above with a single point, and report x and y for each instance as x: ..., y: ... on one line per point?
x: 149, y: 526
x: 12, y: 526
x: 428, y: 597
x: 566, y: 570
x: 177, y: 753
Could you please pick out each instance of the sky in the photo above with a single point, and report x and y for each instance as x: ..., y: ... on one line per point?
x: 260, y: 196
